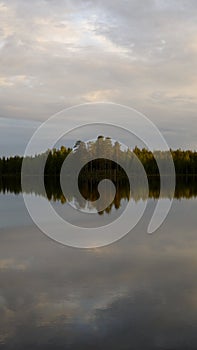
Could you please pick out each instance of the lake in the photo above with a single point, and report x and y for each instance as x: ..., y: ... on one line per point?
x: 137, y: 293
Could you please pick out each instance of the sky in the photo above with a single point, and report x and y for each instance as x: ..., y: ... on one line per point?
x: 56, y: 54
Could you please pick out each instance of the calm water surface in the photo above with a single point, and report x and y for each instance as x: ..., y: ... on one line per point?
x: 138, y: 293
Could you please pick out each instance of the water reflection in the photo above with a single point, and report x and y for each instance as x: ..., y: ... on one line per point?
x: 139, y: 293
x: 186, y: 187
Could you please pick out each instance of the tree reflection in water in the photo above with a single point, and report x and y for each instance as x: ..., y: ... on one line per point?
x: 186, y: 187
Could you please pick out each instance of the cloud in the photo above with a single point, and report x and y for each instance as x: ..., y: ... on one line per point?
x: 57, y: 54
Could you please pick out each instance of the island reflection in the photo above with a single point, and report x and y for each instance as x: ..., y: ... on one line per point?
x: 186, y: 187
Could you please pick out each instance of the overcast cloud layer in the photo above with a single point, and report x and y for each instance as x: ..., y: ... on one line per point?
x: 54, y: 54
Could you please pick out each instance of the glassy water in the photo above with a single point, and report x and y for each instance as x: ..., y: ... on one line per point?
x: 138, y: 293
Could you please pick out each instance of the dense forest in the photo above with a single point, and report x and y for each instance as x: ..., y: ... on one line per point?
x: 185, y: 161
x: 94, y: 170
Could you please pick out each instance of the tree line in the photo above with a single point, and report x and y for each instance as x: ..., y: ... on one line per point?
x: 185, y: 161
